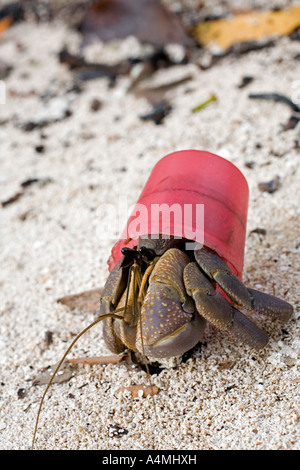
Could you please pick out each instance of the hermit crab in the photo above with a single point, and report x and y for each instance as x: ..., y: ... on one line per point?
x: 179, y: 263
x: 165, y: 296
x: 165, y: 287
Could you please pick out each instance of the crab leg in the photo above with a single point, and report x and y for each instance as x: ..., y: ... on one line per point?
x: 217, y: 310
x: 238, y: 293
x: 111, y: 293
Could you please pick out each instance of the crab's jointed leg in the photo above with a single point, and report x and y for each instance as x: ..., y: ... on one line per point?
x: 238, y: 293
x: 111, y: 294
x: 218, y: 311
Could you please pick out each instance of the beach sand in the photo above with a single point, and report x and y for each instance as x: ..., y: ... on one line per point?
x: 225, y: 396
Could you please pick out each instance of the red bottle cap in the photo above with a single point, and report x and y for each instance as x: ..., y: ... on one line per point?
x: 186, y: 181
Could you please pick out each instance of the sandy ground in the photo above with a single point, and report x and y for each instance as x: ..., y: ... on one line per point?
x: 225, y: 396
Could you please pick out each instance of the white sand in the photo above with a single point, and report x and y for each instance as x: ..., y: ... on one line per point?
x: 225, y: 396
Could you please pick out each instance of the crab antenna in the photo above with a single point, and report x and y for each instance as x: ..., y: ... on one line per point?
x: 101, y: 317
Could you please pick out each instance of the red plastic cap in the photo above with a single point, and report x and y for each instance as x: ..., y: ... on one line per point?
x: 190, y: 179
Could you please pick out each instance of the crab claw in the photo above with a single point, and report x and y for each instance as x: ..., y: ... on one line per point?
x: 238, y: 293
x: 218, y: 311
x: 169, y: 325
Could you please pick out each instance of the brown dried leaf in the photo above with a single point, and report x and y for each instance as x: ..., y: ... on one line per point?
x: 148, y: 20
x: 136, y: 390
x: 63, y: 375
x: 87, y: 301
x: 156, y: 95
x: 226, y: 365
x: 270, y: 186
x: 291, y: 123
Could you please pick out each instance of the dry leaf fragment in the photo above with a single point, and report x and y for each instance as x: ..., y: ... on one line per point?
x: 140, y: 391
x: 63, y: 375
x: 148, y: 20
x: 88, y: 300
x: 226, y: 365
x: 246, y: 80
x: 270, y: 186
x: 155, y: 95
x: 291, y: 123
x: 224, y: 33
x: 158, y: 113
x: 5, y: 24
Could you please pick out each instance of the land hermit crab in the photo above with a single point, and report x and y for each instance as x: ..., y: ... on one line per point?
x: 170, y: 275
x: 166, y: 287
x: 170, y: 294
